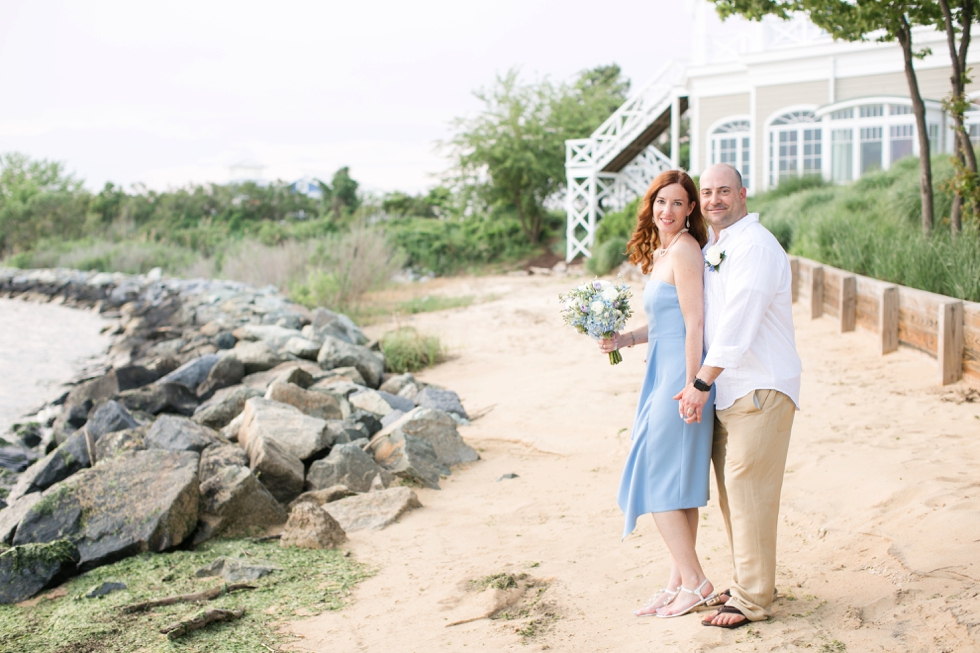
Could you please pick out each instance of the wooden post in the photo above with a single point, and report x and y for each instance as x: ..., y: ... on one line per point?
x: 888, y: 319
x: 816, y: 292
x: 794, y: 269
x: 848, y: 303
x: 949, y: 352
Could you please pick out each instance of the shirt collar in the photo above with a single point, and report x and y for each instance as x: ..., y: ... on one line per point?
x: 734, y: 230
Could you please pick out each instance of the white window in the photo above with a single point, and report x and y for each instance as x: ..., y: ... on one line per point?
x: 731, y: 143
x: 795, y: 146
x: 901, y: 141
x: 842, y: 154
x: 872, y: 134
x: 870, y: 148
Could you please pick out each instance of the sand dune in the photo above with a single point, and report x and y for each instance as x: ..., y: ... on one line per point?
x: 878, y: 537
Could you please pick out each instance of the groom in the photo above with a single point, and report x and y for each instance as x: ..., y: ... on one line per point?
x: 751, y: 356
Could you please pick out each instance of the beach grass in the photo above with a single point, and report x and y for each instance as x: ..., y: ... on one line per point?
x: 307, y: 582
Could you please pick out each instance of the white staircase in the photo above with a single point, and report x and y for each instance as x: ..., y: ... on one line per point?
x: 618, y: 161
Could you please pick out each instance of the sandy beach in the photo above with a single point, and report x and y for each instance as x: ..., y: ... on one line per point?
x: 879, y: 523
x: 41, y: 347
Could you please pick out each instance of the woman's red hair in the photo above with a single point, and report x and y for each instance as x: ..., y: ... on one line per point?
x: 646, y: 238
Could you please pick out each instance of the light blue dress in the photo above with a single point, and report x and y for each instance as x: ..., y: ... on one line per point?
x: 667, y: 467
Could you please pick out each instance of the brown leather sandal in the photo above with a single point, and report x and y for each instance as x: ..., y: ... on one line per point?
x: 726, y: 610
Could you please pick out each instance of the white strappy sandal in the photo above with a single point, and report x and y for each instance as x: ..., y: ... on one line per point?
x: 663, y: 590
x: 702, y: 599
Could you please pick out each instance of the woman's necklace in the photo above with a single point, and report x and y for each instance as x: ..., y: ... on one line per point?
x: 663, y: 250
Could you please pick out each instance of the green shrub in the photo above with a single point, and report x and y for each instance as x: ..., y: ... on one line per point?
x: 448, y: 246
x: 873, y: 227
x: 618, y: 224
x: 406, y: 350
x: 607, y: 256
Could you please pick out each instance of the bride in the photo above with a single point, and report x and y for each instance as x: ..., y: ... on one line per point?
x: 666, y: 472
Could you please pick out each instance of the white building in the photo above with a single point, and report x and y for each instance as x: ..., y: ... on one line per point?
x: 776, y: 99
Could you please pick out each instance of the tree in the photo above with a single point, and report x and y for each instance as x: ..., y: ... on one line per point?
x: 344, y: 192
x: 959, y: 18
x: 38, y: 199
x: 512, y: 154
x: 859, y: 20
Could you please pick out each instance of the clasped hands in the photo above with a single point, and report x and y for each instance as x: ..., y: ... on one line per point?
x: 691, y: 404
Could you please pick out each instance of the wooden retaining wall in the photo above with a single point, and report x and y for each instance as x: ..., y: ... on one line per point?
x: 945, y: 328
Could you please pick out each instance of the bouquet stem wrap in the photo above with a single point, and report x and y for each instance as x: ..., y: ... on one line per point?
x: 599, y: 309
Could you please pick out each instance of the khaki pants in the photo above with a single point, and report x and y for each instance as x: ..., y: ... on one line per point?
x: 751, y: 438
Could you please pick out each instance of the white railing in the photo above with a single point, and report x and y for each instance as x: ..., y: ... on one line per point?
x: 636, y: 114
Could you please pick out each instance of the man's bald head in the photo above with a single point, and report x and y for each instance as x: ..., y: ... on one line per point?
x: 722, y: 196
x: 724, y: 173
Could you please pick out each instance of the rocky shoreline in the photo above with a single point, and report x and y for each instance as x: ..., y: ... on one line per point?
x: 223, y: 411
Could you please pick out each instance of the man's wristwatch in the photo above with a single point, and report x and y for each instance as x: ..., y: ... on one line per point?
x: 701, y: 385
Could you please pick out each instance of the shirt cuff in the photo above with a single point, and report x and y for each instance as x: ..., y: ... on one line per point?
x: 723, y: 357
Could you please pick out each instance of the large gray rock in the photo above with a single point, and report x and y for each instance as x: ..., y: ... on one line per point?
x: 217, y: 457
x: 256, y: 356
x: 397, y: 382
x: 438, y: 429
x: 274, y: 336
x: 312, y: 527
x: 321, y: 497
x: 70, y: 457
x: 224, y: 406
x: 262, y: 380
x: 349, y: 374
x: 372, y: 401
x: 438, y: 399
x: 304, y: 437
x: 122, y: 442
x: 237, y: 570
x: 410, y: 458
x: 26, y: 570
x: 234, y: 503
x: 226, y: 372
x: 192, y: 373
x: 346, y: 465
x: 314, y: 404
x: 325, y: 323
x: 11, y: 516
x: 147, y: 501
x: 374, y: 510
x: 302, y: 348
x: 110, y: 416
x: 160, y: 398
x: 180, y: 434
x: 337, y: 353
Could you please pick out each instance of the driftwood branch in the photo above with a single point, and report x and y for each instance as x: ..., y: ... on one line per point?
x: 206, y: 595
x: 181, y: 628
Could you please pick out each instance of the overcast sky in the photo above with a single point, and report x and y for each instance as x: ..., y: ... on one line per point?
x: 168, y: 93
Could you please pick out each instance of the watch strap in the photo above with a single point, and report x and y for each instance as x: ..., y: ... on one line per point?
x: 701, y: 385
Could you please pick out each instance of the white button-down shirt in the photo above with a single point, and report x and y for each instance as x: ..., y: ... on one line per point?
x: 748, y: 316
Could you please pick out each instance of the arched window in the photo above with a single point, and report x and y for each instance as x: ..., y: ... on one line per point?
x: 731, y: 144
x: 795, y: 146
x: 873, y: 133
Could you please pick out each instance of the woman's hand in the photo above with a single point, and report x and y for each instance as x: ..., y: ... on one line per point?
x: 607, y: 345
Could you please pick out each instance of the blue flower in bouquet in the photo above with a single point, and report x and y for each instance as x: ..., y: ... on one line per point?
x: 599, y: 309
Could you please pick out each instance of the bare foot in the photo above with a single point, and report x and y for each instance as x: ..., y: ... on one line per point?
x: 687, y: 599
x: 662, y: 598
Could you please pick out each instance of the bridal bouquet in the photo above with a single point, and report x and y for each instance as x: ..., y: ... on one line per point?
x: 598, y: 308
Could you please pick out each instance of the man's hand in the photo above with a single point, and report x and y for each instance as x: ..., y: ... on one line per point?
x: 691, y: 403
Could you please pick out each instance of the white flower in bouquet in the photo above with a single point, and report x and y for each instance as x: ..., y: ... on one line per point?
x: 599, y: 309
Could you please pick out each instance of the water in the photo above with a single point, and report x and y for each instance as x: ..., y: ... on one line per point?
x: 41, y: 347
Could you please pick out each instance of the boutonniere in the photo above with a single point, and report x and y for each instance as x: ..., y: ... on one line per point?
x: 713, y: 258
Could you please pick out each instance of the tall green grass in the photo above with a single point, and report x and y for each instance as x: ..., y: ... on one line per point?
x: 873, y: 227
